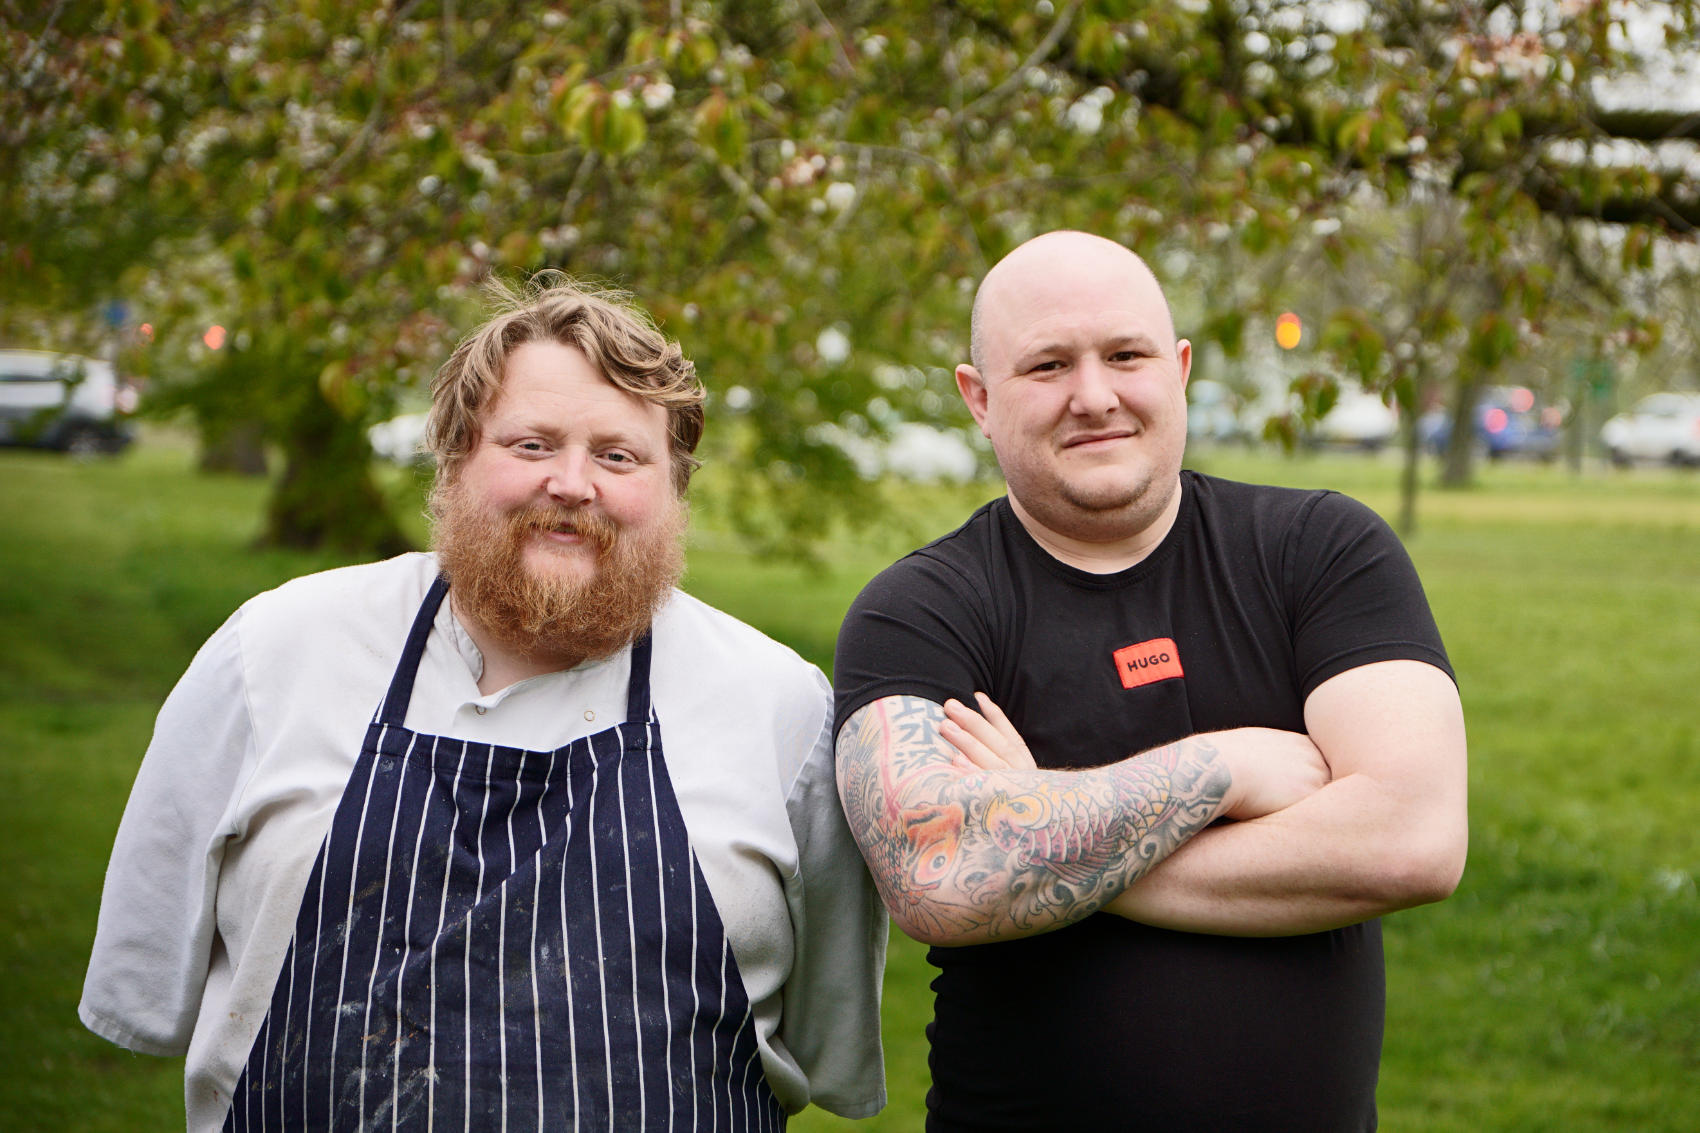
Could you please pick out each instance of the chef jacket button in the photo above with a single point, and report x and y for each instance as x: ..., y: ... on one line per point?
x: 480, y: 709
x: 590, y: 714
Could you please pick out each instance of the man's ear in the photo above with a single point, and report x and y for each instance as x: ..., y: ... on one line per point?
x: 973, y: 390
x: 1183, y: 355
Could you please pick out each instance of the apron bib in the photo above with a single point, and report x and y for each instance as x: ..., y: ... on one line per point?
x: 494, y: 938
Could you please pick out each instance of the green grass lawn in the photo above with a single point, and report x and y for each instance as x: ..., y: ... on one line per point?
x: 1559, y: 989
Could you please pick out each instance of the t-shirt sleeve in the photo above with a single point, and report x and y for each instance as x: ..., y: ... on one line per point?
x: 1355, y: 595
x: 154, y: 935
x: 914, y: 630
x: 831, y: 1018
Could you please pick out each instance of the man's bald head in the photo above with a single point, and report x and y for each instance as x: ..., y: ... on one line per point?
x: 1080, y: 384
x: 1000, y: 293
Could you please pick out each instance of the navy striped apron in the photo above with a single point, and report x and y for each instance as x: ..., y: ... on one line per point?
x: 495, y: 938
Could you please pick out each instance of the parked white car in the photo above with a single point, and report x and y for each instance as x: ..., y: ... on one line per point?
x: 400, y: 439
x: 1213, y: 413
x: 1358, y: 420
x: 912, y: 451
x: 63, y: 401
x: 1662, y: 426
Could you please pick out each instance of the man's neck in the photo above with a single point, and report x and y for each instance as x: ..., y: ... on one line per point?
x: 1109, y: 554
x: 504, y: 666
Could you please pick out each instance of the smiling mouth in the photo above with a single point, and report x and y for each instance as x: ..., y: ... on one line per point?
x: 571, y: 531
x: 539, y: 525
x: 1080, y: 440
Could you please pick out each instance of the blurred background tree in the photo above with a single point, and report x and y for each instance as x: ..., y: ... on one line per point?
x: 805, y: 194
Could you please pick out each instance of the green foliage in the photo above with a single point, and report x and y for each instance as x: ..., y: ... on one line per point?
x: 331, y: 181
x: 1352, y: 335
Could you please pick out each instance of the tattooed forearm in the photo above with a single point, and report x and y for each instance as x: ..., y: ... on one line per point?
x: 969, y: 856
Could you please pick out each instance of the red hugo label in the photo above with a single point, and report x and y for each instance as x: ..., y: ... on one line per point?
x: 1148, y: 662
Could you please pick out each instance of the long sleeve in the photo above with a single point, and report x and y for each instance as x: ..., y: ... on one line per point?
x: 831, y: 1013
x: 156, y: 926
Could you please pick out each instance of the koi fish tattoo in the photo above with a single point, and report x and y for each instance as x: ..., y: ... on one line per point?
x: 962, y: 857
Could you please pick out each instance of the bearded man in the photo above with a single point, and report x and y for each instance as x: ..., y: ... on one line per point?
x: 515, y: 834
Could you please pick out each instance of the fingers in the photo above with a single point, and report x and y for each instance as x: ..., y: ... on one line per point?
x: 987, y: 737
x: 1271, y: 770
x: 969, y: 755
x: 995, y: 715
x: 971, y: 737
x: 973, y: 723
x: 1013, y: 748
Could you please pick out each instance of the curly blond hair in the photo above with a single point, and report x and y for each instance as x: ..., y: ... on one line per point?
x: 618, y: 336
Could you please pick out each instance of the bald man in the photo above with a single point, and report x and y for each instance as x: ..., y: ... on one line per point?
x: 1143, y: 753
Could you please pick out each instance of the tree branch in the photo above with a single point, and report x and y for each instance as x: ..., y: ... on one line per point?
x: 841, y: 64
x: 1038, y: 55
x: 358, y: 143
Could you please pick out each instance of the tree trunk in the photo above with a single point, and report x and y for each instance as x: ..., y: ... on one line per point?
x: 1459, y: 466
x: 326, y: 496
x: 1412, y: 453
x: 237, y: 448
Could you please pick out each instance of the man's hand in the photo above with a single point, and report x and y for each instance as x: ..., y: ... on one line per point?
x: 985, y: 740
x: 1389, y: 831
x: 1270, y: 769
x: 964, y: 854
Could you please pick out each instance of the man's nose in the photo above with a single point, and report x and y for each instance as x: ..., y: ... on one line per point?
x: 1094, y: 392
x: 567, y: 477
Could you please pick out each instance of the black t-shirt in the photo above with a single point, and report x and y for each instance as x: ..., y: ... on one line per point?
x: 1257, y: 596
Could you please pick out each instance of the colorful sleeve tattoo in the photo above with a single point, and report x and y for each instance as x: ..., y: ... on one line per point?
x: 962, y: 858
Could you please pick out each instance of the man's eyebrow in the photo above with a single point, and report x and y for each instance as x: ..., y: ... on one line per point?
x: 517, y: 423
x: 548, y: 423
x: 1136, y: 341
x: 1141, y: 343
x: 1027, y: 355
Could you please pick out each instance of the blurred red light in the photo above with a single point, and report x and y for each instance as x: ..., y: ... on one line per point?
x: 1495, y: 420
x: 214, y: 338
x: 1522, y: 400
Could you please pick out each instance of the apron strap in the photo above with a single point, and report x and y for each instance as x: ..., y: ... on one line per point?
x: 393, y: 710
x: 637, y: 687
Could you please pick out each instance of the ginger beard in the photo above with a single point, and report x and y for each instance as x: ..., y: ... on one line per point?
x: 546, y: 616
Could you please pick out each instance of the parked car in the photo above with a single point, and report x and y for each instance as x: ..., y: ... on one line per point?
x: 1358, y: 420
x: 1662, y: 426
x: 1508, y: 421
x: 62, y: 401
x: 400, y: 439
x: 910, y: 451
x: 1213, y: 413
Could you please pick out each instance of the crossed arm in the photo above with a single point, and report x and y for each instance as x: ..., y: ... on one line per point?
x: 1388, y: 832
x: 964, y: 854
x: 982, y: 846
